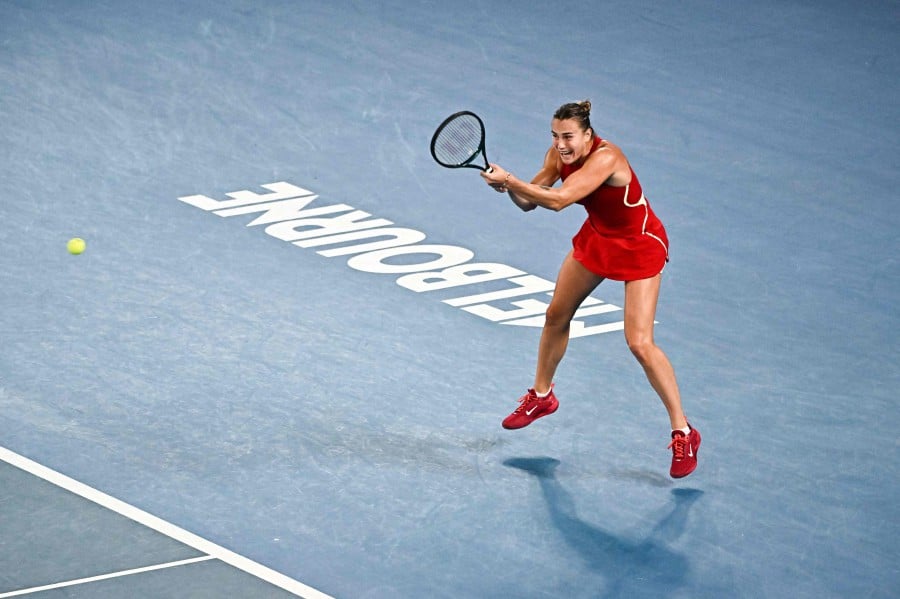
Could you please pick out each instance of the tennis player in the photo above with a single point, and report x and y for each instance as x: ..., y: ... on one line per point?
x: 621, y: 239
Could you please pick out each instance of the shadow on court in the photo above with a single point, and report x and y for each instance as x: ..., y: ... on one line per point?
x: 642, y: 567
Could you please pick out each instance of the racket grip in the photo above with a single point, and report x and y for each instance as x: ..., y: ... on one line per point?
x: 489, y: 170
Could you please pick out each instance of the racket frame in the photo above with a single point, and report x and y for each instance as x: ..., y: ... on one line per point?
x: 481, y: 149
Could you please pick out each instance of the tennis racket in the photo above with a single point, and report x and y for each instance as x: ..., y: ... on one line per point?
x: 459, y: 140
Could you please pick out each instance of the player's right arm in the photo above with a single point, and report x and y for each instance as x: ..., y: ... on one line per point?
x: 546, y: 177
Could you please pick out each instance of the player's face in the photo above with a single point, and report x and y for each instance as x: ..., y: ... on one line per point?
x: 570, y: 141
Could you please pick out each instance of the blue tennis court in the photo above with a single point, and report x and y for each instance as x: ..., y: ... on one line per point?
x: 252, y: 382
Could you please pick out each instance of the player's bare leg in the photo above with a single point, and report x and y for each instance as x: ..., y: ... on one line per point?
x: 573, y: 285
x: 640, y: 310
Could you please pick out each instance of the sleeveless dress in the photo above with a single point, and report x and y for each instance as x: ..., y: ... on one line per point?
x: 621, y: 239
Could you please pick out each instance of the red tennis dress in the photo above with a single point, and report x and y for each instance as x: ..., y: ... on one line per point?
x: 621, y: 239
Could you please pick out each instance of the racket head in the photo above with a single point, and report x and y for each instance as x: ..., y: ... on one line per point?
x: 459, y: 140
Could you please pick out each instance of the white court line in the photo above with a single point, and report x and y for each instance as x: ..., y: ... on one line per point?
x: 170, y: 530
x: 70, y: 583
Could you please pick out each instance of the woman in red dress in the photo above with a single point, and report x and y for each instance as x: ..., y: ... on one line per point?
x: 621, y: 239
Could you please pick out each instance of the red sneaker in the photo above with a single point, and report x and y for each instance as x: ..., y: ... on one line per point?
x: 531, y: 407
x: 684, y: 452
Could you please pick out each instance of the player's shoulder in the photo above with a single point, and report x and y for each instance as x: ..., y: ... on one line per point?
x: 606, y: 152
x: 607, y: 146
x: 609, y: 152
x: 552, y: 161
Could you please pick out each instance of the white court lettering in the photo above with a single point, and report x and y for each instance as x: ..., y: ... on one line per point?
x: 391, y: 250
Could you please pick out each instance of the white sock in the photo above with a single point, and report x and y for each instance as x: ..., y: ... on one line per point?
x: 545, y: 393
x: 686, y: 430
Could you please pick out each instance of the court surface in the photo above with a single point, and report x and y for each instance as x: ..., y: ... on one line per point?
x: 217, y: 399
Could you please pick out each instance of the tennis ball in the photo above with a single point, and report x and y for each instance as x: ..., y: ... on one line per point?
x: 76, y: 245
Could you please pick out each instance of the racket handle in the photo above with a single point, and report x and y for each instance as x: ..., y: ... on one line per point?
x: 489, y: 170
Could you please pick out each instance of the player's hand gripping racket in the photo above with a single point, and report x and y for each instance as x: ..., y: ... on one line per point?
x: 459, y: 140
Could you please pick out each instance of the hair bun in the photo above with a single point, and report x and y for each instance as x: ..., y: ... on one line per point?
x: 579, y: 111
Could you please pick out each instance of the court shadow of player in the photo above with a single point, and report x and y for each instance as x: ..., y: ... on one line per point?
x: 631, y: 567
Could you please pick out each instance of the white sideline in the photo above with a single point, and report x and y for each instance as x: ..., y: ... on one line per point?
x: 170, y: 530
x: 71, y: 583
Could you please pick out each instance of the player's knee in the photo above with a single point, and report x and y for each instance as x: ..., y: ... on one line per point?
x: 557, y: 315
x: 641, y: 346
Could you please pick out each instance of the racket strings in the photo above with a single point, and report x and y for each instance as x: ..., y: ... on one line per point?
x: 459, y: 141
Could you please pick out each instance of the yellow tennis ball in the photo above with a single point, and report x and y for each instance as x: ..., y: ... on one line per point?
x: 76, y: 245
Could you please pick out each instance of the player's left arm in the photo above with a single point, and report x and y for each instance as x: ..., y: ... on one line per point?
x: 599, y: 166
x: 546, y: 177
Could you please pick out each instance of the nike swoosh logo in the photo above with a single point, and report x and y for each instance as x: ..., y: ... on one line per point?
x: 690, y: 449
x: 528, y: 412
